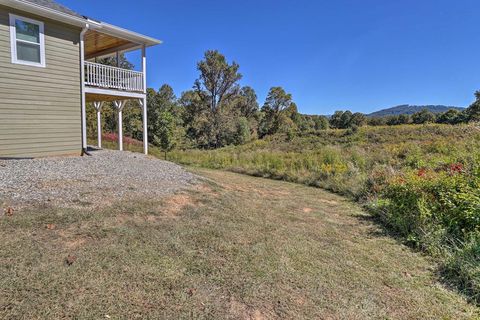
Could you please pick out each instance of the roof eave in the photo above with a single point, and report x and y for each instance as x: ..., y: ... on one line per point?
x: 125, y: 34
x: 45, y: 12
x: 81, y: 22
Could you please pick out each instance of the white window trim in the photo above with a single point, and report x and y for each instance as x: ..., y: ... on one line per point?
x: 13, y: 41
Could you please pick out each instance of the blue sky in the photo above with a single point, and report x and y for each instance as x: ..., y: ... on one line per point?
x: 342, y: 54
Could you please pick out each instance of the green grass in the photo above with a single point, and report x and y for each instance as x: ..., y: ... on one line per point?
x: 233, y: 247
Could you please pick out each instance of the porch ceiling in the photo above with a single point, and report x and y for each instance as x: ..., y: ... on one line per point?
x: 100, y: 44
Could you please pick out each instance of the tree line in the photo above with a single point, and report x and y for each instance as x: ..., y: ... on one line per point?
x: 218, y: 111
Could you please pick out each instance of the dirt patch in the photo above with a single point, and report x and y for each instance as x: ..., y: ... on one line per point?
x: 257, y: 315
x: 75, y: 243
x: 332, y: 202
x: 122, y: 219
x: 242, y: 311
x: 174, y: 205
x: 69, y: 240
x: 264, y: 192
x: 206, y: 189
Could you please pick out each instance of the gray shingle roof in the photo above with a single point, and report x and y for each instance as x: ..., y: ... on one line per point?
x: 55, y: 6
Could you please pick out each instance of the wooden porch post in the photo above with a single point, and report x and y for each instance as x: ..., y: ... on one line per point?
x: 98, y: 106
x: 143, y: 105
x: 144, y: 102
x: 119, y: 106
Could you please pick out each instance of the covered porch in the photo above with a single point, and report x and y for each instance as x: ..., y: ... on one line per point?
x: 102, y: 83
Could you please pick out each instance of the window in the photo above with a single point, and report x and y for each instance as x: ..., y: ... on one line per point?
x: 27, y: 41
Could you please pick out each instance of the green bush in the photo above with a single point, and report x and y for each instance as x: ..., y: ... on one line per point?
x: 439, y: 211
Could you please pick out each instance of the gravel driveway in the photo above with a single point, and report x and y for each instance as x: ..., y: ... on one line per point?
x: 104, y: 177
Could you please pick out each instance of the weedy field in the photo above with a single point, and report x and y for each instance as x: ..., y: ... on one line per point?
x: 233, y: 247
x: 421, y: 181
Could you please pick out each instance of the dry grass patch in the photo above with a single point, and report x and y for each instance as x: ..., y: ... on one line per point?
x: 232, y: 247
x: 174, y: 205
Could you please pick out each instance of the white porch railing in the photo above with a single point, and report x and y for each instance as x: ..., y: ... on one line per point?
x: 99, y: 75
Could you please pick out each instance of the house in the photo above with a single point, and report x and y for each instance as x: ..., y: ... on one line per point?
x: 48, y: 74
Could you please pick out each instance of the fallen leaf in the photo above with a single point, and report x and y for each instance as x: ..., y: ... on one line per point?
x: 9, y: 211
x: 70, y: 259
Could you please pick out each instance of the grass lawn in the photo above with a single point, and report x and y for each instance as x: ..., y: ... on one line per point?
x: 234, y: 247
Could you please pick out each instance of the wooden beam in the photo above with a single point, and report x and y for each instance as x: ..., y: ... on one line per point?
x: 116, y: 94
x: 119, y: 106
x: 143, y: 105
x: 99, y: 106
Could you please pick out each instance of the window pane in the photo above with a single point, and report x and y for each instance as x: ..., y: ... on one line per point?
x: 28, y: 52
x: 27, y: 31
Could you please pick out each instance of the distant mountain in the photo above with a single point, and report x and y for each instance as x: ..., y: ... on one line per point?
x: 408, y: 109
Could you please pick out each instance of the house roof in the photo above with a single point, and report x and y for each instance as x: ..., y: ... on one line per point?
x: 53, y: 10
x: 55, y: 6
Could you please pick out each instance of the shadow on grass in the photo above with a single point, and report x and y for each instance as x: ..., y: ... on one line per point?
x: 450, y: 278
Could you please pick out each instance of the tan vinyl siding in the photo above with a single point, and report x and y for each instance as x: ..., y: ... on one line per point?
x: 40, y: 107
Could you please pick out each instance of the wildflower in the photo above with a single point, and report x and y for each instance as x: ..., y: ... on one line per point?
x: 422, y: 172
x: 455, y: 168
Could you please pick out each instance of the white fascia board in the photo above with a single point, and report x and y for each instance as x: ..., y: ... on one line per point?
x: 45, y: 12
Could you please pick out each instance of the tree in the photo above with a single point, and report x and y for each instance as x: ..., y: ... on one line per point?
x: 247, y: 102
x: 451, y: 116
x: 321, y: 122
x: 218, y: 79
x: 358, y: 119
x: 158, y: 103
x: 278, y: 107
x: 346, y: 119
x: 393, y: 120
x: 165, y: 136
x: 242, y: 134
x: 166, y: 98
x: 196, y: 118
x: 397, y: 119
x: 377, y: 121
x: 404, y: 119
x: 277, y: 100
x: 217, y: 88
x: 423, y: 116
x: 473, y: 111
x: 336, y: 120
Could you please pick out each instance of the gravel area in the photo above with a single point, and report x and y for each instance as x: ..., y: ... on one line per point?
x: 104, y: 177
